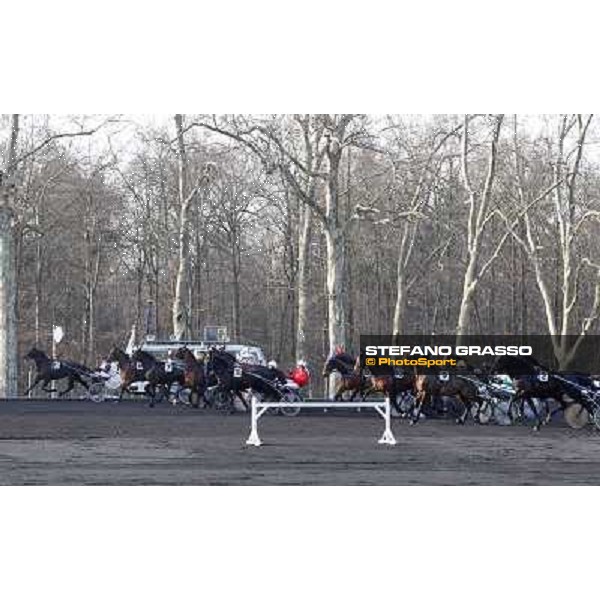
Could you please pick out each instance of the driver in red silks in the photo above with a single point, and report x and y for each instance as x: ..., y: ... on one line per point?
x: 300, y: 375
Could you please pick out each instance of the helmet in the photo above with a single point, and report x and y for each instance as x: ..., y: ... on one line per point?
x: 301, y: 363
x: 272, y: 364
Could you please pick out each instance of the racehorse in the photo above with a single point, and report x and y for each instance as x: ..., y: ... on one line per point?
x: 194, y: 375
x: 48, y: 370
x: 387, y: 381
x: 532, y: 381
x: 141, y: 366
x: 234, y: 378
x: 158, y: 374
x: 431, y: 386
x: 129, y: 371
x: 351, y: 379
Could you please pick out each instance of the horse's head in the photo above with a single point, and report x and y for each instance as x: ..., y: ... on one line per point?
x: 340, y: 362
x: 115, y: 354
x: 330, y: 366
x: 181, y: 353
x: 144, y: 357
x: 118, y: 356
x: 35, y: 354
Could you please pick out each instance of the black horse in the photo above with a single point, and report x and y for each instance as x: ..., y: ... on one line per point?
x: 159, y: 375
x: 142, y: 366
x: 429, y: 387
x: 532, y: 382
x: 48, y: 370
x: 234, y: 378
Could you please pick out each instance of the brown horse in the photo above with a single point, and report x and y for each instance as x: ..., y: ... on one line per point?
x: 351, y: 380
x: 194, y: 375
x: 129, y: 371
x: 443, y: 384
x: 387, y: 381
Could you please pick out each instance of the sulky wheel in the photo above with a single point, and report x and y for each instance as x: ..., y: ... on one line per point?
x: 596, y: 417
x: 223, y: 401
x: 97, y: 392
x: 183, y: 395
x: 294, y: 399
x: 486, y: 412
x: 576, y: 415
x: 406, y: 404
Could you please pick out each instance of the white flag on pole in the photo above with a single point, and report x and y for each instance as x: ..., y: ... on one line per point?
x: 131, y: 343
x: 57, y: 334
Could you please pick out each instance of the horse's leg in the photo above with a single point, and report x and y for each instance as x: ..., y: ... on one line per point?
x: 466, y: 402
x: 561, y: 407
x: 419, y: 401
x: 394, y: 398
x: 244, y: 402
x: 514, y: 403
x: 202, y: 395
x: 38, y: 378
x: 232, y: 397
x: 338, y: 393
x: 45, y: 386
x: 194, y: 397
x: 70, y: 386
x: 366, y: 391
x: 151, y: 390
x: 538, y: 421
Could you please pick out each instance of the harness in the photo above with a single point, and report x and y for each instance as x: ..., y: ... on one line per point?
x: 543, y: 377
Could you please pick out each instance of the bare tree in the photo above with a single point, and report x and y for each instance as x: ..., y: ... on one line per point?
x: 479, y: 217
x: 424, y: 166
x: 181, y: 300
x: 569, y: 218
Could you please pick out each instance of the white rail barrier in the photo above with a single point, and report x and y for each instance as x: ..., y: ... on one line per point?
x: 382, y: 407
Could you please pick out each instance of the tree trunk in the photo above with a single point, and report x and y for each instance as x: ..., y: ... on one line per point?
x: 8, y: 284
x: 400, y: 307
x: 235, y: 264
x: 335, y: 288
x: 467, y: 297
x: 180, y: 310
x: 476, y: 224
x: 303, y: 275
x: 336, y: 251
x: 8, y: 350
x: 38, y: 281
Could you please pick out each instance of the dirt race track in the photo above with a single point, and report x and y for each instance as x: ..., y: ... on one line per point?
x: 76, y: 443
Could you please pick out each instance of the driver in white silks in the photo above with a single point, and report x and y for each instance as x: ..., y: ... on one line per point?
x: 109, y: 371
x: 277, y: 373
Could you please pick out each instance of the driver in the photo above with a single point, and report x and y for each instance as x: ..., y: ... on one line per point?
x: 300, y: 374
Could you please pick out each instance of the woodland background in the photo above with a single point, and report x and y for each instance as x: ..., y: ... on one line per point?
x: 269, y: 224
